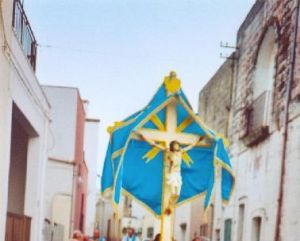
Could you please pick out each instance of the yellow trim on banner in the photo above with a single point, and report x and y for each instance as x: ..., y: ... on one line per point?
x: 106, y: 192
x: 224, y: 139
x: 199, y: 195
x: 117, y: 153
x: 225, y: 166
x: 120, y: 124
x: 214, y: 184
x: 229, y: 169
x: 196, y: 118
x: 131, y: 196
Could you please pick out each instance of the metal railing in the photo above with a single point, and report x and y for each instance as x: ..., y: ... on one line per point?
x: 17, y: 227
x: 259, y: 114
x: 24, y: 33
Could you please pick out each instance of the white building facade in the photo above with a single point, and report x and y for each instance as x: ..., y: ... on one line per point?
x: 150, y: 226
x: 91, y: 152
x: 62, y: 174
x: 24, y: 120
x: 103, y: 217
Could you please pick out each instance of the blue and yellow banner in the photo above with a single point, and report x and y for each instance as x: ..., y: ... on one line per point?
x: 135, y: 168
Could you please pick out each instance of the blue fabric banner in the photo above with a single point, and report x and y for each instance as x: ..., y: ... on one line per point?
x: 126, y: 169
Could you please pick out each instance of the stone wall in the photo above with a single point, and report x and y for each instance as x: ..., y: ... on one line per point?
x: 214, y: 109
x: 256, y: 155
x: 215, y: 98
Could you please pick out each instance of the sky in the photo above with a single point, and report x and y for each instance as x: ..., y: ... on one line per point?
x: 118, y: 51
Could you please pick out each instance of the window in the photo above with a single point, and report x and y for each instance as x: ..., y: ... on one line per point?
x: 241, y: 222
x: 256, y: 229
x: 127, y: 207
x: 227, y: 230
x: 150, y: 232
x: 183, y: 228
x: 218, y: 234
x: 204, y: 230
x: 258, y: 114
x: 263, y: 81
x: 265, y: 65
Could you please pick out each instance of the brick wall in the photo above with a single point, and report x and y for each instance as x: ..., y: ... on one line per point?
x: 264, y: 14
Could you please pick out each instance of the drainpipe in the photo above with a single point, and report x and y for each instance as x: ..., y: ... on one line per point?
x: 286, y: 125
x: 73, y: 206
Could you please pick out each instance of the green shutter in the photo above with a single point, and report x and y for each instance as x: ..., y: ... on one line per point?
x: 227, y: 230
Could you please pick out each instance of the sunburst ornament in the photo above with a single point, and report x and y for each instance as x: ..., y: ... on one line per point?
x: 172, y: 84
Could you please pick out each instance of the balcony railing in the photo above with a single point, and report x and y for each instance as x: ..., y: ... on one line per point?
x: 24, y: 33
x: 17, y: 227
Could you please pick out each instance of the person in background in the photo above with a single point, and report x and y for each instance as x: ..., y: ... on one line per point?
x: 124, y: 232
x: 197, y: 239
x: 97, y: 236
x: 85, y: 238
x: 157, y: 237
x: 131, y: 236
x: 77, y: 236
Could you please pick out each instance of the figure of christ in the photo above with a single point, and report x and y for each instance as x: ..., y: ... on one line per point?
x: 174, y: 156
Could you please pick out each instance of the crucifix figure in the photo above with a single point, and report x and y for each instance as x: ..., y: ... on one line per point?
x: 174, y: 158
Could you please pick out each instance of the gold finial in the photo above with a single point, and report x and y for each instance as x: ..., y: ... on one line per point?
x: 172, y: 83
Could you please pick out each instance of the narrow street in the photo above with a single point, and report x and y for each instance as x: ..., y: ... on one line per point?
x: 149, y: 120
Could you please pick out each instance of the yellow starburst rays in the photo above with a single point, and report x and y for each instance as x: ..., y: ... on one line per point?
x: 187, y: 159
x: 184, y: 124
x: 150, y: 155
x: 157, y: 122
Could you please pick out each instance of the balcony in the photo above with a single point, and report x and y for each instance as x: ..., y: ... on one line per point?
x: 24, y: 33
x: 17, y: 227
x: 257, y: 120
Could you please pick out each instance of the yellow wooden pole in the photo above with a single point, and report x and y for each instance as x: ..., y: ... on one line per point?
x: 167, y: 218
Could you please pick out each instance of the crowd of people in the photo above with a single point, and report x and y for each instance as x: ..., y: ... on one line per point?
x: 79, y: 236
x: 129, y: 235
